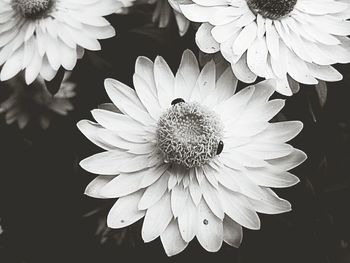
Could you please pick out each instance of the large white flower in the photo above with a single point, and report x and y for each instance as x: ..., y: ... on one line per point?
x: 189, y: 155
x: 39, y: 36
x: 289, y: 40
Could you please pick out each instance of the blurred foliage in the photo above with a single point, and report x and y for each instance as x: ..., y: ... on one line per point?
x: 46, y: 218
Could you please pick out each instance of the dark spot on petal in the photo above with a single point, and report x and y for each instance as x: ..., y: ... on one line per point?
x: 205, y: 222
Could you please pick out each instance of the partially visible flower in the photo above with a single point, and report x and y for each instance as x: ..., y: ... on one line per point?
x: 163, y: 13
x: 287, y: 40
x: 40, y: 36
x: 35, y: 102
x: 190, y: 155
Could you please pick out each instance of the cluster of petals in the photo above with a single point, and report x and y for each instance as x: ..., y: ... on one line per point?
x: 210, y: 202
x: 299, y: 47
x: 41, y: 45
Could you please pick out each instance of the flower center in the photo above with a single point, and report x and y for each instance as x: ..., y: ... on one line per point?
x: 33, y: 9
x: 189, y: 134
x: 272, y: 9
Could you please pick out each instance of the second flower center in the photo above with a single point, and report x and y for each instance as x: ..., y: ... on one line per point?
x: 272, y: 9
x: 189, y: 134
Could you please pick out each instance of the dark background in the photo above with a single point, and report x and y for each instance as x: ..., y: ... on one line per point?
x: 42, y: 205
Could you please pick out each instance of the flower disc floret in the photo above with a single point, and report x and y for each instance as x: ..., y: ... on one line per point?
x: 33, y: 9
x: 189, y: 134
x: 272, y: 9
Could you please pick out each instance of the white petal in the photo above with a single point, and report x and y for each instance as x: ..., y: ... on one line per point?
x: 233, y: 233
x: 238, y: 208
x: 115, y: 121
x: 289, y: 162
x: 157, y: 219
x: 226, y: 85
x: 179, y: 196
x: 147, y: 97
x: 154, y: 192
x: 95, y: 185
x: 271, y: 178
x: 105, y: 163
x: 171, y: 239
x: 125, y: 212
x: 123, y: 184
x: 188, y: 221
x: 127, y: 101
x: 211, y: 197
x: 205, y: 40
x: 271, y: 204
x: 165, y: 82
x: 186, y: 76
x: 209, y: 228
x: 280, y: 132
x: 91, y: 130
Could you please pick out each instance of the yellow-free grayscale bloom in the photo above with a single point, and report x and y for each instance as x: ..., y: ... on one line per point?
x: 288, y: 40
x: 40, y: 36
x: 189, y: 154
x: 35, y: 103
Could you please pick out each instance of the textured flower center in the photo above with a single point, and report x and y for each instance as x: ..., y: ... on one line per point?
x: 272, y: 9
x: 189, y: 134
x: 33, y: 9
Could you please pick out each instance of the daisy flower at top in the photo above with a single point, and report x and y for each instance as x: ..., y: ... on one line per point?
x: 288, y: 40
x: 189, y: 155
x: 35, y: 102
x: 40, y: 36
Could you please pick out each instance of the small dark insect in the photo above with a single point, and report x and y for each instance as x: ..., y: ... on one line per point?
x: 176, y: 101
x: 220, y: 147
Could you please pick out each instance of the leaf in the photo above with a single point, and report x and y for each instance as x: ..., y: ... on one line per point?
x: 322, y: 91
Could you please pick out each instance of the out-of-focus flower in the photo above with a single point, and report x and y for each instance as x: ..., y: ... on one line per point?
x: 126, y: 4
x: 1, y: 229
x: 40, y: 36
x: 163, y: 13
x: 35, y: 102
x: 288, y: 40
x: 190, y: 155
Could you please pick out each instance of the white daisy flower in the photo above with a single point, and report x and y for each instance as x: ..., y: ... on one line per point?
x: 40, y: 36
x: 36, y: 103
x: 288, y: 40
x: 189, y: 155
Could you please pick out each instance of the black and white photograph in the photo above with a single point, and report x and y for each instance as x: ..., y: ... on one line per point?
x: 175, y: 131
